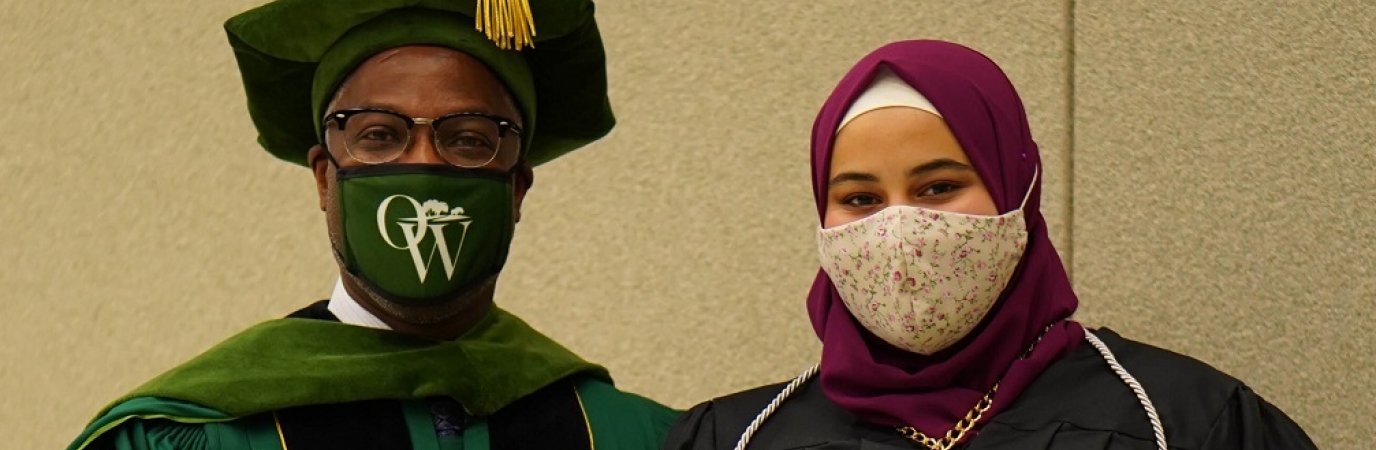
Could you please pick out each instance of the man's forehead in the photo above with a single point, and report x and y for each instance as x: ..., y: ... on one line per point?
x: 420, y: 76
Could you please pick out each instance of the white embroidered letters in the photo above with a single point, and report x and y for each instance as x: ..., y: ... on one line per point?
x: 430, y: 219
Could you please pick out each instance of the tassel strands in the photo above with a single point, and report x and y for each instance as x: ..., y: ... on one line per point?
x: 508, y: 23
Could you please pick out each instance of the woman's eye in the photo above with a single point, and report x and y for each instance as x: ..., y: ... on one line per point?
x: 860, y: 200
x: 939, y: 189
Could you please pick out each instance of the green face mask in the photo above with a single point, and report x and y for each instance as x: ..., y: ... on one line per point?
x: 421, y: 233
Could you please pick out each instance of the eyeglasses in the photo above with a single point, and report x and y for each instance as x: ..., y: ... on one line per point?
x: 466, y: 140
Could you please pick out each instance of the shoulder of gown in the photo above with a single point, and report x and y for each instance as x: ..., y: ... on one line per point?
x: 1081, y: 391
x: 1199, y: 405
x: 622, y: 420
x: 1078, y: 402
x: 711, y: 424
x: 148, y: 423
x: 806, y: 419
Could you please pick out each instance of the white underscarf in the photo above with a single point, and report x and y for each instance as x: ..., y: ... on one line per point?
x: 349, y: 311
x: 887, y: 91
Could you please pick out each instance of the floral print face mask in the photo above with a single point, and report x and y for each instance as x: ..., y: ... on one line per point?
x: 919, y: 278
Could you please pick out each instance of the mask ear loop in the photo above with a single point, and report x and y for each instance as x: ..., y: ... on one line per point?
x: 1036, y: 171
x: 338, y: 255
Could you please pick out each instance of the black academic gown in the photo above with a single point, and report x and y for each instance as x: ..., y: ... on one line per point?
x: 1077, y: 403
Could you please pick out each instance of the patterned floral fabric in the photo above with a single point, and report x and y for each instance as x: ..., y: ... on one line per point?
x: 921, y: 279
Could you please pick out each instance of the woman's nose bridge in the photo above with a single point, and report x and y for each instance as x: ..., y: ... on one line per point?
x: 899, y: 197
x: 902, y: 202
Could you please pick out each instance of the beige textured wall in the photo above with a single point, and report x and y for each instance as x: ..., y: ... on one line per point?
x: 1225, y: 168
x: 1222, y: 165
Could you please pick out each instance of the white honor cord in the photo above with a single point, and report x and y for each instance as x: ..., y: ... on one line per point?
x: 1118, y: 369
x: 1136, y: 387
x: 774, y: 404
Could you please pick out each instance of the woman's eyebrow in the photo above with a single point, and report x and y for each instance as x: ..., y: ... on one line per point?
x: 930, y: 166
x: 939, y: 164
x: 852, y: 176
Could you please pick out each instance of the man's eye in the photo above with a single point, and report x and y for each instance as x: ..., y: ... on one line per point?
x: 378, y: 134
x: 467, y: 141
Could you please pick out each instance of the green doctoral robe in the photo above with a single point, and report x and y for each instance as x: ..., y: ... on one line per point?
x: 228, y: 397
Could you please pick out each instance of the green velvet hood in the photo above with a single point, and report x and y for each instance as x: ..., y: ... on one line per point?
x: 295, y: 362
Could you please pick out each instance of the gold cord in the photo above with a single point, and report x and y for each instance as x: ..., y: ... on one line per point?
x: 281, y: 438
x: 508, y: 23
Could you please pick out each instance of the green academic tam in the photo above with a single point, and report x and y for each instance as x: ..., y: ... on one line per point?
x: 294, y: 54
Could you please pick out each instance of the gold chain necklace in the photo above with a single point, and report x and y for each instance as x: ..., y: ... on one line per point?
x: 958, y: 432
x: 955, y: 434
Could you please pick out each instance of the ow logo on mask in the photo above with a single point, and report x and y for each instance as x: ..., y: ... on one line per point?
x: 429, y: 220
x: 399, y: 228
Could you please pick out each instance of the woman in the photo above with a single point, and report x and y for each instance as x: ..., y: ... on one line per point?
x: 942, y: 306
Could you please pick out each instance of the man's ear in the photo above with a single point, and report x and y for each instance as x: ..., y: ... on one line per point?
x: 320, y: 165
x: 524, y: 178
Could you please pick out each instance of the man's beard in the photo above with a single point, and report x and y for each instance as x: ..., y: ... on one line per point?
x: 440, y: 311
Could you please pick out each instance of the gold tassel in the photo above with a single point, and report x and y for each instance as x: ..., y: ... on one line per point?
x: 508, y: 23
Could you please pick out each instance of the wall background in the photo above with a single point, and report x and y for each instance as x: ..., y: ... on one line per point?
x: 1209, y: 171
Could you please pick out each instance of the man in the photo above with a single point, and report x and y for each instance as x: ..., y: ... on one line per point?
x: 421, y: 132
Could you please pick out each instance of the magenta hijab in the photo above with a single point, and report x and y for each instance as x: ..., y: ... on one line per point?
x: 887, y: 386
